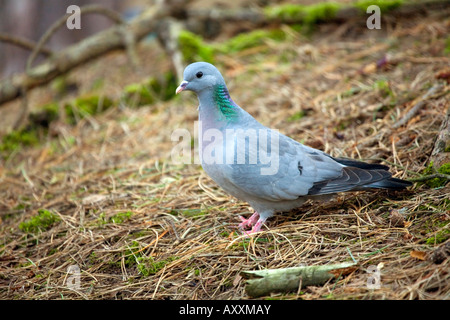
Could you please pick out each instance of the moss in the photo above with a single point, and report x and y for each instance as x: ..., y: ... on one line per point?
x: 308, y: 15
x: 145, y: 265
x: 62, y: 86
x: 86, y: 106
x: 193, y: 48
x: 251, y: 39
x: 285, y: 12
x: 148, y: 266
x: 131, y: 254
x: 37, y: 126
x: 384, y: 5
x: 43, y: 221
x: 296, y: 116
x: 138, y: 94
x: 384, y: 88
x: 447, y: 46
x: 165, y: 86
x: 190, y: 213
x: 148, y: 92
x: 441, y: 235
x: 321, y: 12
x: 44, y: 115
x: 101, y: 220
x: 437, y: 182
x: 19, y: 138
x: 117, y: 218
x: 121, y: 217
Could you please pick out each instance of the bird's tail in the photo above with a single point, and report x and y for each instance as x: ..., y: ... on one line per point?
x: 384, y: 183
x: 391, y: 183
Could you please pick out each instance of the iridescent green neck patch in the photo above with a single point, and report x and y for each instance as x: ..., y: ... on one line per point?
x: 224, y: 103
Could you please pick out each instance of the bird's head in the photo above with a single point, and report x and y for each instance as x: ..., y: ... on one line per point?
x: 199, y: 76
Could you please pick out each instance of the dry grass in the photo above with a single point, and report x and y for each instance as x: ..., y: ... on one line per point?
x: 180, y: 239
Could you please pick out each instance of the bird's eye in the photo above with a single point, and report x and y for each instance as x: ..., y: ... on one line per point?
x: 199, y: 74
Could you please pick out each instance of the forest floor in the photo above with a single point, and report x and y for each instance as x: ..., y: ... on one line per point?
x: 137, y: 226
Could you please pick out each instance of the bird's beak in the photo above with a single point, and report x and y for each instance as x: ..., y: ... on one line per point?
x: 181, y: 87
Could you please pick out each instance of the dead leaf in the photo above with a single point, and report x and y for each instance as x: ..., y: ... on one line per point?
x: 421, y: 255
x: 396, y: 219
x: 370, y: 68
x: 343, y: 271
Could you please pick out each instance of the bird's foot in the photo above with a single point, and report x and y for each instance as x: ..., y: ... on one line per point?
x: 250, y: 222
x: 256, y: 227
x: 255, y: 222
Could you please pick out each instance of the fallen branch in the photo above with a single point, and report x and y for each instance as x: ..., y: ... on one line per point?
x: 256, y: 18
x: 92, y: 47
x: 114, y: 16
x: 23, y: 43
x: 168, y: 33
x: 122, y: 35
x: 440, y: 154
x: 431, y: 93
x: 431, y: 176
x: 263, y: 282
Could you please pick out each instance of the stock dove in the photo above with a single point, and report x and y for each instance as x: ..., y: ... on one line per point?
x: 263, y: 167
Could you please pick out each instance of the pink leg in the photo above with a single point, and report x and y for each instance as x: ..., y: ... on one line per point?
x: 256, y: 227
x: 255, y: 222
x: 250, y: 221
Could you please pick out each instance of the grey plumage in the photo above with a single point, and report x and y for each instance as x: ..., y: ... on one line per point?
x: 301, y: 173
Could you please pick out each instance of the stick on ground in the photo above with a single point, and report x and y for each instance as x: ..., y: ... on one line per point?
x: 264, y: 282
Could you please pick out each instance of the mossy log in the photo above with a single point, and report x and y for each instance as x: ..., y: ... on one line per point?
x: 441, y: 151
x: 118, y: 37
x: 90, y: 48
x: 264, y: 282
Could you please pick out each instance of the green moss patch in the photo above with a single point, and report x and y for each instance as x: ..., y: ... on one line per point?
x: 308, y: 15
x: 19, y: 138
x: 193, y: 48
x: 296, y: 116
x: 384, y: 5
x: 121, y: 217
x: 190, y: 213
x: 251, y: 39
x: 86, y: 106
x: 437, y: 182
x: 148, y: 265
x: 152, y: 90
x: 44, y: 220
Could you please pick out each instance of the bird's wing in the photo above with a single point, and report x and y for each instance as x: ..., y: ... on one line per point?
x: 301, y: 171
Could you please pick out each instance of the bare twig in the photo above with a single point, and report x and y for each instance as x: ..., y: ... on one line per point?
x: 442, y: 143
x: 434, y: 90
x: 24, y: 43
x: 56, y: 25
x: 82, y: 52
x: 168, y: 34
x: 431, y: 176
x: 263, y: 282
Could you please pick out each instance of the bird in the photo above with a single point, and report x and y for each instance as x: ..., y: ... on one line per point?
x: 234, y: 152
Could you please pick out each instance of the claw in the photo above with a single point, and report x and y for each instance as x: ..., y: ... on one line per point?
x: 250, y: 222
x: 255, y: 222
